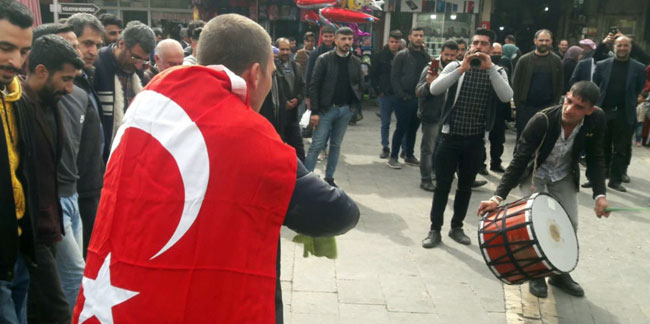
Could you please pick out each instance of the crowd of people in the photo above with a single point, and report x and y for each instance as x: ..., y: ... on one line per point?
x: 68, y: 91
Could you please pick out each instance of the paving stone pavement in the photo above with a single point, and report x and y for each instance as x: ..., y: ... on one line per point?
x: 383, y: 275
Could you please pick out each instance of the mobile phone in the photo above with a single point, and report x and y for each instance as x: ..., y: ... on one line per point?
x: 412, y: 5
x: 434, y: 67
x: 613, y: 30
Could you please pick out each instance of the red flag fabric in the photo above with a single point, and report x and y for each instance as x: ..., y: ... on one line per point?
x: 194, y: 195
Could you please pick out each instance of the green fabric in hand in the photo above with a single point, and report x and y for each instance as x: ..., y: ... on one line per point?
x: 317, y: 246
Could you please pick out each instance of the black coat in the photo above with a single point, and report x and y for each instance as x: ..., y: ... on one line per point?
x: 589, y: 138
x: 10, y: 242
x: 323, y: 82
x: 380, y: 68
x: 633, y: 85
x: 406, y: 72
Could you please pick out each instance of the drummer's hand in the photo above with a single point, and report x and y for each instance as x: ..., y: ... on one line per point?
x: 486, y: 206
x: 601, y: 204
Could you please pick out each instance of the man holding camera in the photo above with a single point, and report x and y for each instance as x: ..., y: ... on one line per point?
x: 474, y: 89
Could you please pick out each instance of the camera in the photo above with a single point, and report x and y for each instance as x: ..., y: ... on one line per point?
x: 475, y: 62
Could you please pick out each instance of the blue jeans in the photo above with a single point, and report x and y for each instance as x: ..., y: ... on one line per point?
x: 386, y: 107
x: 332, y: 125
x: 69, y: 257
x: 13, y: 295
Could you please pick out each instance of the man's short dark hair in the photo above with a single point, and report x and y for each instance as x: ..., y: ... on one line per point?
x: 418, y: 28
x: 485, y: 32
x: 194, y: 24
x: 327, y: 30
x: 80, y: 21
x: 450, y: 44
x: 138, y: 33
x: 291, y: 39
x: 586, y: 90
x: 16, y: 13
x: 196, y: 33
x: 49, y: 29
x: 541, y: 31
x: 307, y: 35
x: 344, y: 31
x: 157, y: 31
x: 221, y: 43
x: 54, y: 52
x: 395, y: 34
x: 461, y: 41
x: 110, y: 19
x: 511, y: 38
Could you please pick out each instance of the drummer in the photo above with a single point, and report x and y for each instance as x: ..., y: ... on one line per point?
x: 547, y: 157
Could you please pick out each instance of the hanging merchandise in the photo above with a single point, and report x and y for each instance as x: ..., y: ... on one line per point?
x: 347, y: 16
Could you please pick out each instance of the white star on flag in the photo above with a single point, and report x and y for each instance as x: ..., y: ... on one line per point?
x: 101, y: 296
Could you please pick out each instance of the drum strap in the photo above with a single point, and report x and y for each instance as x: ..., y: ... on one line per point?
x: 532, y: 179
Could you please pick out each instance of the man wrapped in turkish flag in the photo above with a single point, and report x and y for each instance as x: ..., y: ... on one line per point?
x: 196, y: 189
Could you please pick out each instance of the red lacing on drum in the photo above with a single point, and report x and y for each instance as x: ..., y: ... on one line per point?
x: 518, y: 264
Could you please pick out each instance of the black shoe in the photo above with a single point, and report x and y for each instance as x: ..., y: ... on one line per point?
x: 402, y: 155
x: 483, y: 171
x: 384, y: 154
x: 378, y: 114
x: 566, y: 283
x: 459, y: 236
x: 479, y: 183
x: 352, y: 123
x: 393, y: 163
x: 586, y: 184
x: 432, y: 239
x: 330, y: 181
x: 617, y: 186
x: 412, y: 161
x: 625, y: 178
x: 497, y: 168
x: 538, y: 287
x: 427, y: 186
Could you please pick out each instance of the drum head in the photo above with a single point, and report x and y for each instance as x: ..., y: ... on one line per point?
x: 554, y: 232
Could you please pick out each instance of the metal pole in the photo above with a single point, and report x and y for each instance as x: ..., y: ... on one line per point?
x: 386, y: 28
x: 55, y: 3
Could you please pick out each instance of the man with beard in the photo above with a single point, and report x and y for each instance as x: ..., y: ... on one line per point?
x: 429, y: 111
x: 621, y: 79
x: 281, y: 104
x: 335, y: 88
x: 538, y: 80
x: 562, y: 47
x: 113, y: 28
x: 462, y: 48
x: 472, y: 97
x: 90, y: 164
x: 18, y: 182
x: 380, y: 70
x: 53, y: 64
x: 168, y: 53
x: 404, y: 77
x: 121, y: 64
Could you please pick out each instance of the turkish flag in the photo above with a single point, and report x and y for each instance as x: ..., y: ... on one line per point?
x: 194, y: 195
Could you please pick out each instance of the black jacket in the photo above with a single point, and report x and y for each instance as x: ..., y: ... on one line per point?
x: 323, y: 83
x: 90, y: 161
x: 285, y: 91
x: 633, y: 85
x: 429, y: 106
x: 10, y: 242
x: 309, y: 69
x: 380, y: 68
x: 589, y: 139
x: 582, y: 71
x: 406, y: 72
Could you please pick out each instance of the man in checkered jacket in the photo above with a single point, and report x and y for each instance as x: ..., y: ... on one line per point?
x: 473, y: 87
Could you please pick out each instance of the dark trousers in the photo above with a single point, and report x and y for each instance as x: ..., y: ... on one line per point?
x: 497, y: 138
x: 408, y: 122
x: 453, y: 153
x: 46, y: 302
x: 88, y: 209
x: 618, y: 145
x: 293, y: 137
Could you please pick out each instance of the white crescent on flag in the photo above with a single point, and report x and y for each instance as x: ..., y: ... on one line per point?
x: 170, y: 125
